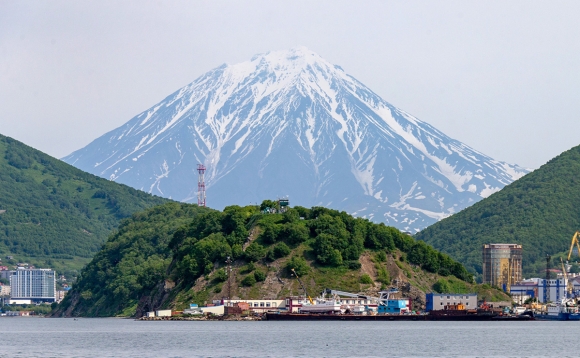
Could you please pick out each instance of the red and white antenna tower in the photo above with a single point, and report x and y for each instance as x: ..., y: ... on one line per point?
x: 201, y: 185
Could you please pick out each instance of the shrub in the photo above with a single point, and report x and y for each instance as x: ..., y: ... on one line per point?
x: 441, y: 286
x: 248, y: 268
x: 353, y: 265
x: 249, y: 281
x: 382, y: 275
x: 260, y: 276
x: 381, y: 256
x: 366, y: 279
x: 220, y: 275
x: 280, y: 250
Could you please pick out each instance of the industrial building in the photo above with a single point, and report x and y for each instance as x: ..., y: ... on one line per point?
x: 32, y: 286
x: 543, y: 290
x: 502, y: 265
x: 259, y: 306
x: 438, y: 301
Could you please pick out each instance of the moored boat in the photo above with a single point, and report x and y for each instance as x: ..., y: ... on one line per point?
x: 563, y: 310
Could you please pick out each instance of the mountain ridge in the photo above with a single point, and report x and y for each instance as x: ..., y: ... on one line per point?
x: 288, y: 123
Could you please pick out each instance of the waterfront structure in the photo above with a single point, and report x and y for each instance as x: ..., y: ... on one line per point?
x: 395, y: 306
x: 163, y: 313
x: 502, y: 265
x: 438, y: 301
x: 34, y: 285
x: 258, y: 306
x: 554, y: 289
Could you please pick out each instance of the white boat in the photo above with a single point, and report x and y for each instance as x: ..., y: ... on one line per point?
x: 321, y: 305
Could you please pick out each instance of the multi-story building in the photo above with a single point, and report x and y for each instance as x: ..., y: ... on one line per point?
x: 552, y: 290
x: 502, y: 265
x: 36, y: 285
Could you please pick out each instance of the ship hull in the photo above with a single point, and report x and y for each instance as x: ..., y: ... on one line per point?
x: 427, y: 317
x: 559, y: 317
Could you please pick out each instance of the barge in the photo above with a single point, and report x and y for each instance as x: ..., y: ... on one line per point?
x: 394, y: 317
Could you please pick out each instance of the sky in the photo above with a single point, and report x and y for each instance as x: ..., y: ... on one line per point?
x: 501, y: 76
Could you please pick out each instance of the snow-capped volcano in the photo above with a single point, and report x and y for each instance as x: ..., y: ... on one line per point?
x: 290, y: 124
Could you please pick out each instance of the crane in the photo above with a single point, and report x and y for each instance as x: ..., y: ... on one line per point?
x: 381, y: 300
x: 546, y: 286
x: 346, y: 294
x: 303, y: 287
x: 574, y: 241
x: 569, y: 284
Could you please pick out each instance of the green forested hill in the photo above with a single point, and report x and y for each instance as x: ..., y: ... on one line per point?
x: 174, y: 254
x: 53, y: 214
x: 540, y: 211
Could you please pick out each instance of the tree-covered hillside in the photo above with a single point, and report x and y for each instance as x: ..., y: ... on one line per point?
x: 175, y: 254
x: 52, y: 214
x: 540, y: 211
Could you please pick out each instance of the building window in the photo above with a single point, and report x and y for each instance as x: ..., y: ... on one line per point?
x: 267, y: 304
x: 261, y: 304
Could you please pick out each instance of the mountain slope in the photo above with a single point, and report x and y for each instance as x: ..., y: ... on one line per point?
x: 539, y: 211
x: 289, y: 123
x: 53, y: 211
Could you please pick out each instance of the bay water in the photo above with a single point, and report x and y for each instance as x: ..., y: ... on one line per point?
x: 110, y: 337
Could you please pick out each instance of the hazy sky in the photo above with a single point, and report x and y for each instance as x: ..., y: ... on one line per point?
x: 500, y: 76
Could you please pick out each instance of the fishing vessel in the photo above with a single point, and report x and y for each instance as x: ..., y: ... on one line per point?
x: 563, y: 310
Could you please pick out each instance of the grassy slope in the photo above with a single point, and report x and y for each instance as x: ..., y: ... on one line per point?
x: 539, y: 211
x: 56, y: 215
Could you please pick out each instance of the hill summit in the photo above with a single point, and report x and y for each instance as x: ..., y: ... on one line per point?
x: 291, y: 124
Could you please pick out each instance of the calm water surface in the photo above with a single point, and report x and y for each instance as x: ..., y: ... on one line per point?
x: 44, y: 337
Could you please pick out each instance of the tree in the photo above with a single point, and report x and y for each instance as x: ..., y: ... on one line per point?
x: 233, y: 224
x: 268, y: 205
x: 271, y: 233
x: 254, y: 252
x: 299, y: 265
x: 323, y: 248
x: 291, y: 215
x: 294, y: 233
